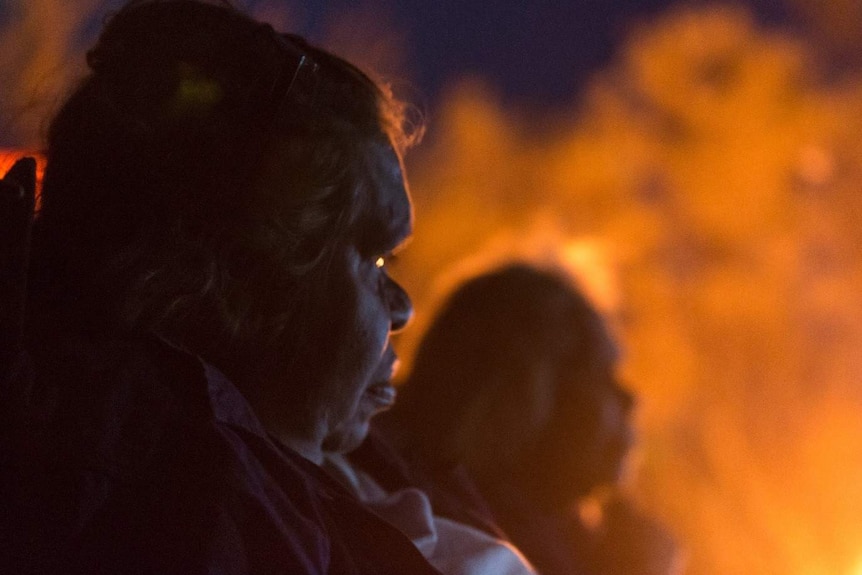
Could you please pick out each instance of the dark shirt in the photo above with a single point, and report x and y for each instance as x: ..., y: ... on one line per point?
x: 626, y: 542
x: 449, y: 488
x: 555, y: 543
x: 132, y: 457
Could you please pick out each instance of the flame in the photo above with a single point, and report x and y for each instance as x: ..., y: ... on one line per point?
x: 8, y: 157
x: 591, y: 262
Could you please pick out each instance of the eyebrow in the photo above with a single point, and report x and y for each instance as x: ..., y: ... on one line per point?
x: 388, y: 232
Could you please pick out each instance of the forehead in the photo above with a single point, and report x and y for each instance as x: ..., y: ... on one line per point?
x: 389, y: 213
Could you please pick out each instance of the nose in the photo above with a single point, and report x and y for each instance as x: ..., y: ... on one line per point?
x: 400, y: 306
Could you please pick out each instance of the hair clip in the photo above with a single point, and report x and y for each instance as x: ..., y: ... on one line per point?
x: 297, y: 82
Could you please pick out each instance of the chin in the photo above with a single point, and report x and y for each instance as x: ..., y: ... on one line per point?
x: 348, y: 438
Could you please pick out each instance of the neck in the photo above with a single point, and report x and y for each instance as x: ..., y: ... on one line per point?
x: 308, y: 442
x: 307, y: 448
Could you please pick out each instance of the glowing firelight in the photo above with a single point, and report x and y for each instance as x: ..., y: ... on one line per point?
x: 589, y: 259
x: 712, y: 189
x: 727, y: 181
x: 9, y: 156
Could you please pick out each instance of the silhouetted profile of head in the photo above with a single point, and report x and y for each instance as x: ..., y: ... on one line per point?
x: 515, y: 378
x: 232, y: 189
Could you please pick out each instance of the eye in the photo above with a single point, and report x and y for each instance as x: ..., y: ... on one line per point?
x: 385, y: 261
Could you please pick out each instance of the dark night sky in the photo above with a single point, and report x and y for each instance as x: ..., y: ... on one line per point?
x: 535, y: 52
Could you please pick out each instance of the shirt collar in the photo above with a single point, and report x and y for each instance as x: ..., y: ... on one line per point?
x: 228, y: 404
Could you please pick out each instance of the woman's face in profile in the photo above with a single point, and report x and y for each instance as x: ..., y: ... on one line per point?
x: 366, y: 307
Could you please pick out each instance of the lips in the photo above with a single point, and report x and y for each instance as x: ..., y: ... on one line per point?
x: 382, y: 394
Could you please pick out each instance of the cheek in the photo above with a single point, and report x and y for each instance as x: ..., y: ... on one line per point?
x: 343, y: 310
x: 358, y: 328
x: 372, y: 311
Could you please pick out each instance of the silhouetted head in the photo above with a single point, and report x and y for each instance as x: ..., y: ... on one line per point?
x: 516, y: 379
x: 230, y: 189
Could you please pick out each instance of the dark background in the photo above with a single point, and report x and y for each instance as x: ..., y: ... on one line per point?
x: 537, y: 53
x: 534, y: 54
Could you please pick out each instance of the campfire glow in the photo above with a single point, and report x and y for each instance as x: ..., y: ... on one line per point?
x: 9, y: 156
x: 709, y: 190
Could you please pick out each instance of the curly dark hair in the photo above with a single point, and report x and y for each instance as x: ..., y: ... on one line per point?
x: 198, y: 178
